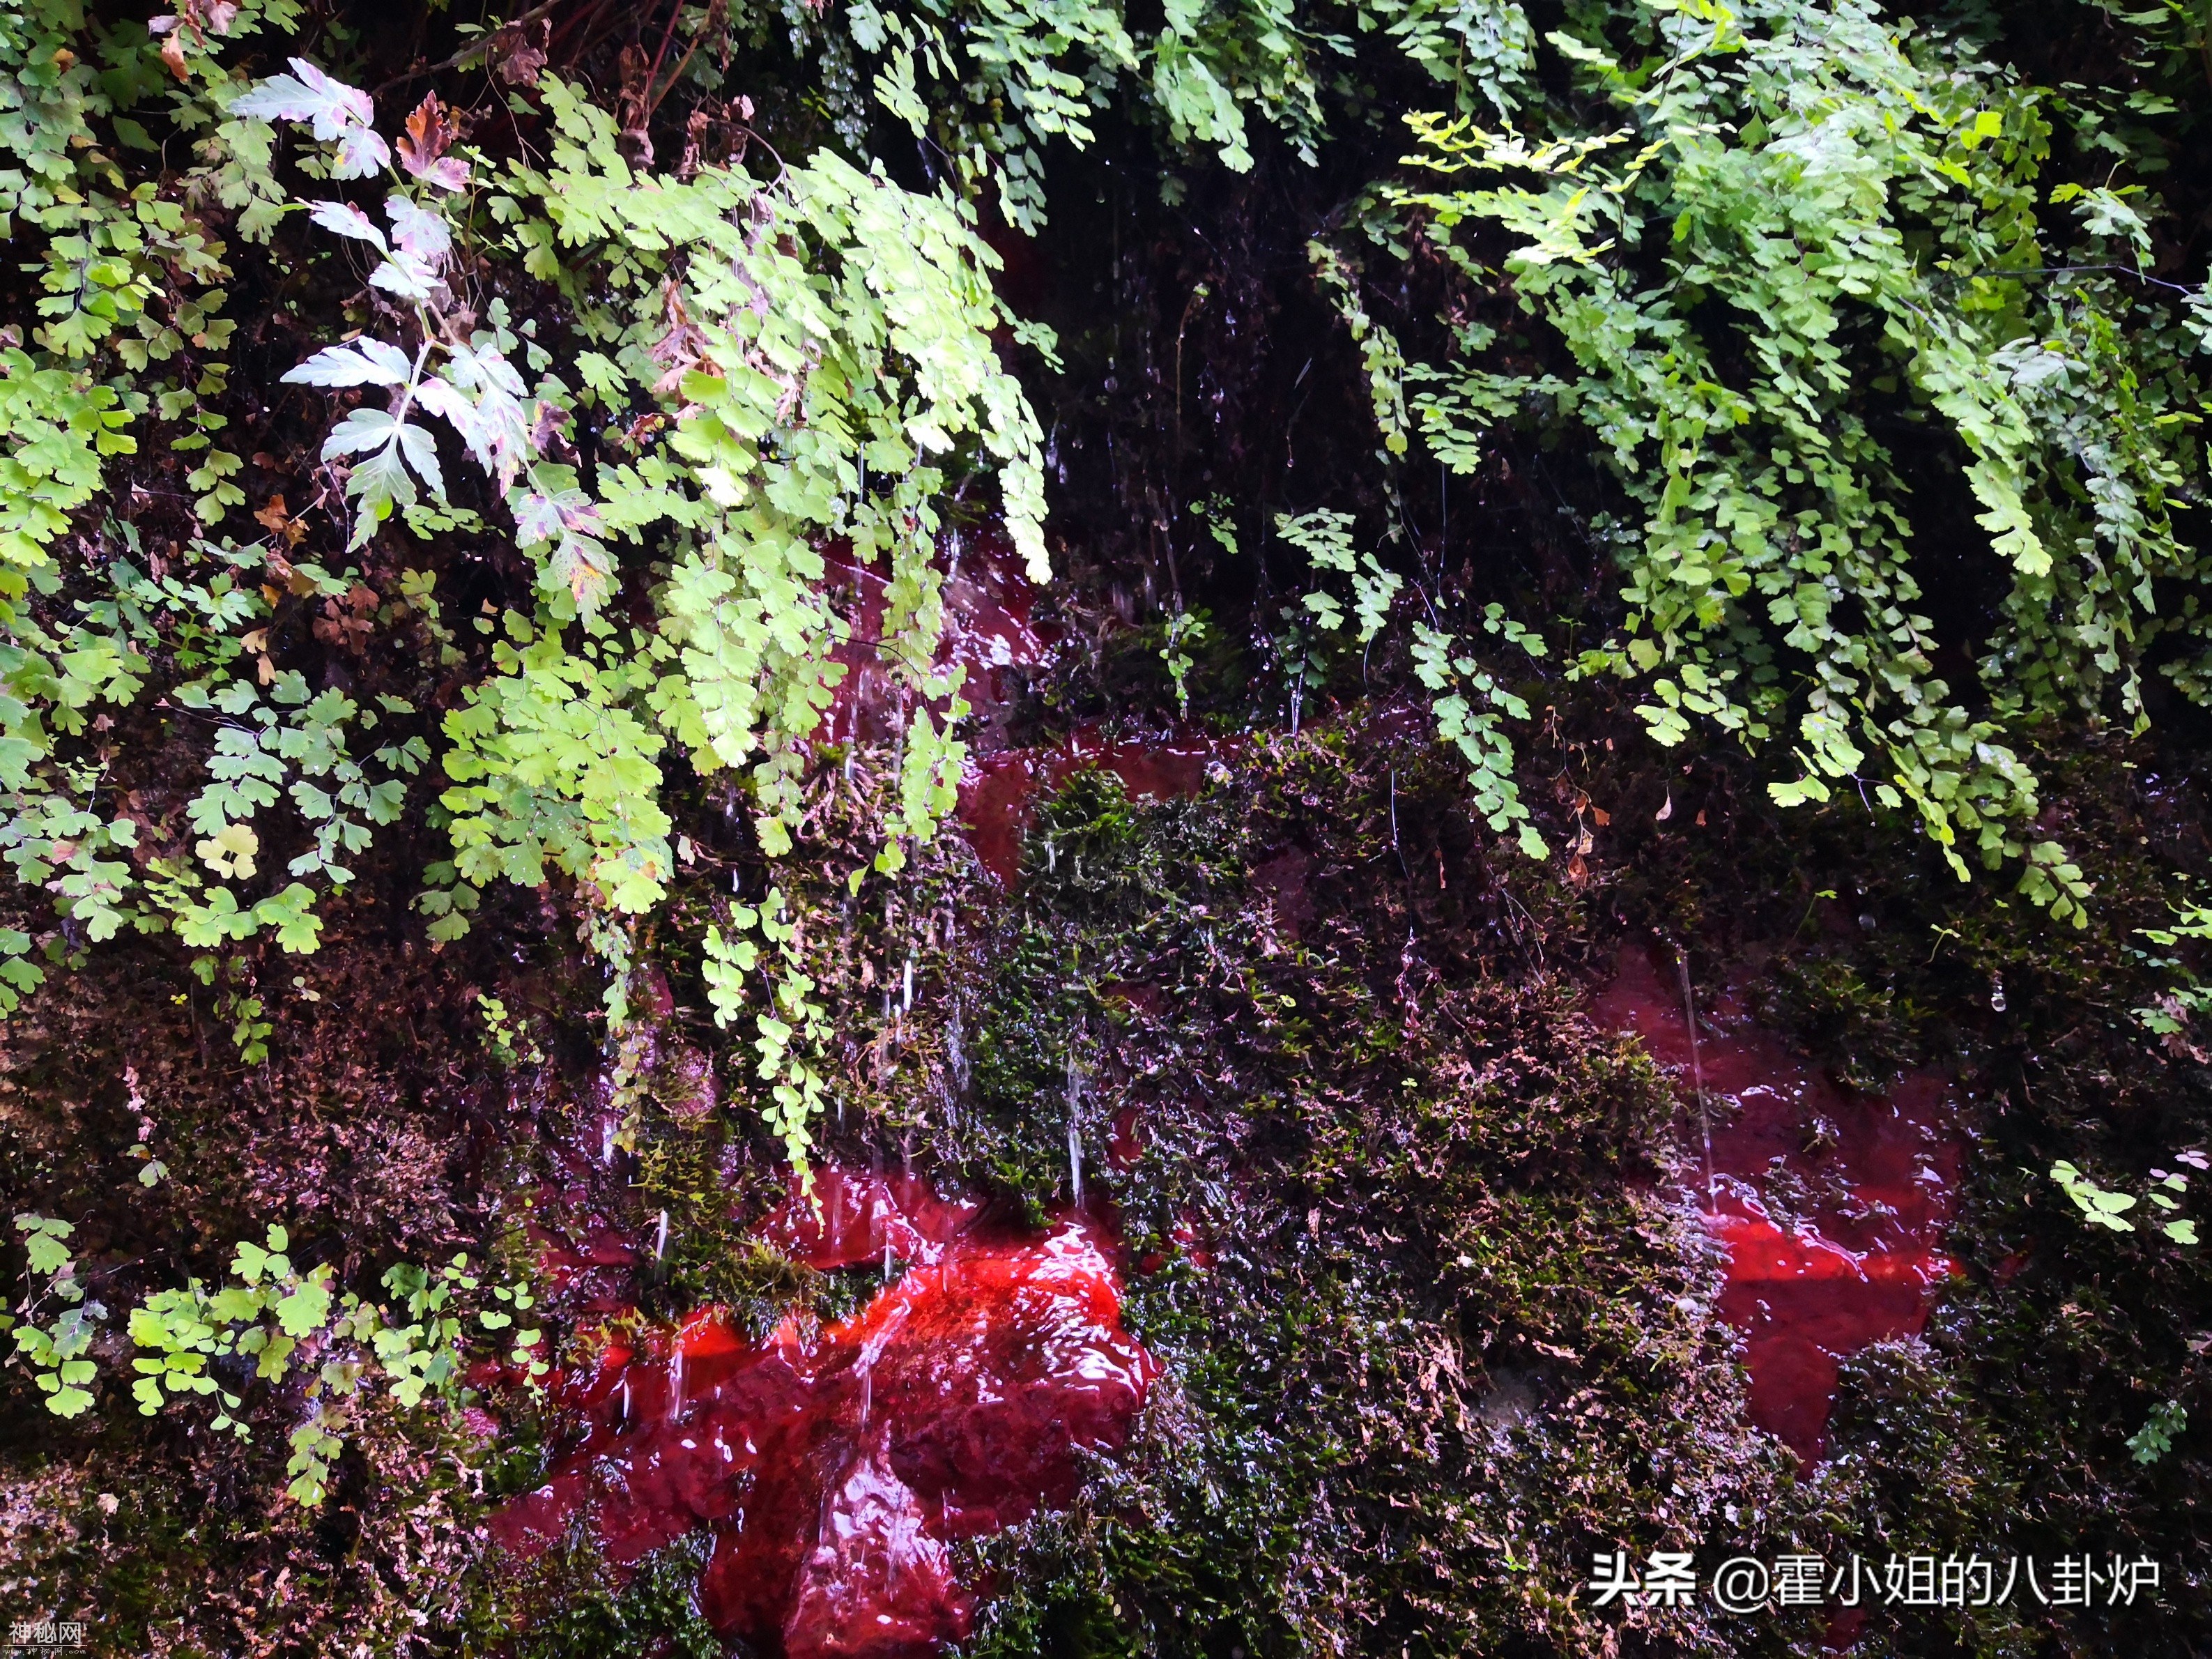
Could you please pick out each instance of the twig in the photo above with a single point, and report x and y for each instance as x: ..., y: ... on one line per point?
x: 2139, y: 274
x: 654, y: 100
x: 674, y: 76
x: 675, y: 15
x: 475, y: 49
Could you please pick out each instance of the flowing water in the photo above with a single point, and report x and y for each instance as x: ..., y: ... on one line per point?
x: 990, y: 631
x: 1832, y: 1204
x: 834, y: 1466
x: 988, y: 602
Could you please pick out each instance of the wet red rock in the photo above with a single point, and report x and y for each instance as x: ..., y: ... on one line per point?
x: 1138, y: 997
x: 1843, y: 1630
x: 1283, y: 880
x: 584, y: 1258
x: 988, y: 601
x: 991, y: 633
x: 1189, y: 1235
x: 1873, y: 1179
x: 1024, y: 273
x: 997, y: 795
x: 855, y: 1217
x: 835, y: 1465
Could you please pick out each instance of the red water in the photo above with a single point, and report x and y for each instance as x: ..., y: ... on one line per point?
x: 833, y: 1466
x: 997, y: 794
x: 1832, y: 1204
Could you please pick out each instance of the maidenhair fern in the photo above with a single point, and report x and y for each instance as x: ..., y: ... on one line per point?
x: 1768, y: 241
x: 785, y: 360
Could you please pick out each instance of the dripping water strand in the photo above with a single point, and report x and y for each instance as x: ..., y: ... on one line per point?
x: 864, y: 1361
x: 1697, y: 1067
x: 956, y: 1054
x: 1394, y: 847
x: 1075, y: 1134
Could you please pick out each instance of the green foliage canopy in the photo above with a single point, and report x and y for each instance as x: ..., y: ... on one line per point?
x: 1741, y: 253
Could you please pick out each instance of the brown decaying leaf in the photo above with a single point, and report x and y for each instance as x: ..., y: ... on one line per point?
x: 277, y: 518
x: 516, y: 59
x: 347, y: 622
x: 432, y: 129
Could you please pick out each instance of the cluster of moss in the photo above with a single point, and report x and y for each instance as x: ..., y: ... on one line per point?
x: 1432, y: 1336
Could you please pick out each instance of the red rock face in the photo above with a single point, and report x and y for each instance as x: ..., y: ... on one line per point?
x: 1856, y: 1263
x: 996, y: 795
x: 833, y: 1466
x: 988, y: 600
x: 990, y: 632
x: 584, y: 1259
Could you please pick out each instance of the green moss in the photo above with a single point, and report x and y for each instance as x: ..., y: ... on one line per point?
x: 1425, y: 1348
x: 566, y: 1604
